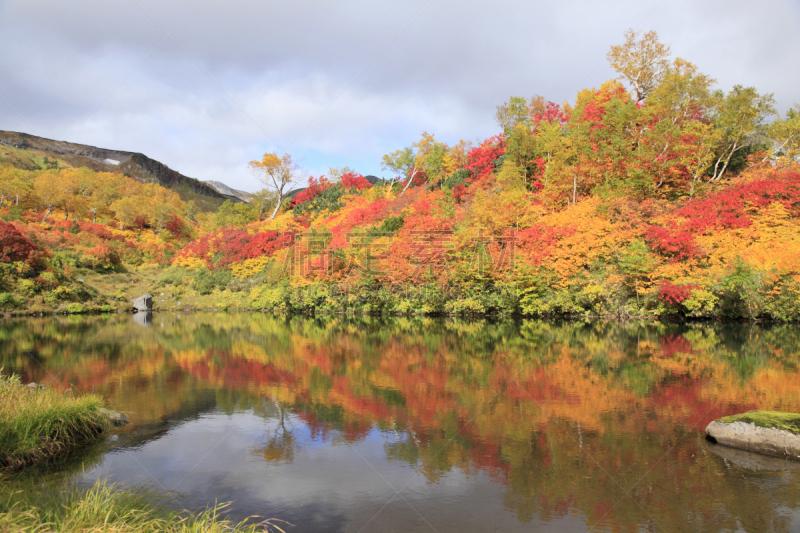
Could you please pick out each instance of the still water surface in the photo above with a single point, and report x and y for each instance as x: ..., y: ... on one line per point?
x: 417, y: 424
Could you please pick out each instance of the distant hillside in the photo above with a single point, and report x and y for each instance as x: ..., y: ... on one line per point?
x: 233, y: 194
x: 29, y: 152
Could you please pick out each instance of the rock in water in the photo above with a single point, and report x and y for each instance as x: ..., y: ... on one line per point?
x: 755, y: 462
x: 143, y: 303
x: 765, y: 432
x: 117, y: 419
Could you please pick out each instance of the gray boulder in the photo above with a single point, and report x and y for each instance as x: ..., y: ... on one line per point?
x: 755, y: 462
x: 753, y: 438
x: 117, y: 419
x: 143, y: 303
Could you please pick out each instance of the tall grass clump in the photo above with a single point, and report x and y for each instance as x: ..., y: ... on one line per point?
x: 37, y: 424
x: 108, y: 508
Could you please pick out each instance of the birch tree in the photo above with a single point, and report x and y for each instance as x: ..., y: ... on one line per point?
x: 641, y: 63
x: 277, y: 173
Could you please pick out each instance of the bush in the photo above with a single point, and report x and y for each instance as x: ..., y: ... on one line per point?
x: 74, y: 309
x: 14, y: 246
x: 317, y: 197
x: 351, y: 180
x: 101, y: 258
x: 171, y: 276
x: 391, y: 225
x: 230, y: 214
x: 456, y: 178
x: 205, y: 281
x: 177, y: 227
x: 7, y: 300
x: 741, y: 291
x: 15, y: 213
x: 64, y: 259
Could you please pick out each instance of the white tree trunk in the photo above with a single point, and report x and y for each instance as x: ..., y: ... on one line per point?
x: 278, y: 206
x: 413, y: 175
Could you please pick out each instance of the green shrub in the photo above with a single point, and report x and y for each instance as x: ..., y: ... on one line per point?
x: 741, y: 291
x: 171, y: 276
x: 26, y: 287
x: 205, y: 281
x: 7, y: 300
x: 74, y: 308
x: 459, y: 176
x: 329, y: 199
x: 391, y: 224
x: 15, y: 213
x: 62, y: 259
x: 231, y: 214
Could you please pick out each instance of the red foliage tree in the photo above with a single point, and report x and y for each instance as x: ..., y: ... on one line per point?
x: 674, y: 294
x: 314, y: 189
x: 459, y: 191
x: 727, y: 208
x: 480, y: 160
x: 672, y: 241
x: 552, y: 113
x: 176, y: 226
x: 239, y: 245
x: 104, y: 255
x: 14, y: 246
x: 351, y: 180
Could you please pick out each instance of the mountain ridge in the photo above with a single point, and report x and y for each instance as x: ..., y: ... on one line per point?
x: 208, y: 195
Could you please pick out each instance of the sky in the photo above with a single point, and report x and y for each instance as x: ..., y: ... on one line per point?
x: 205, y: 86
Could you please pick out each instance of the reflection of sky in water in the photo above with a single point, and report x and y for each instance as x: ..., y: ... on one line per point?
x: 502, y: 426
x: 328, y: 485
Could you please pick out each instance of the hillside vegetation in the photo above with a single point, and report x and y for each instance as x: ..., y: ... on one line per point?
x: 669, y: 199
x: 29, y: 152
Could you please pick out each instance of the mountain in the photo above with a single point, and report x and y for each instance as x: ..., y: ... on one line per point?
x: 233, y: 194
x: 207, y: 195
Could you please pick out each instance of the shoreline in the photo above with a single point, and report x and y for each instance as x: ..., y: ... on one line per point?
x: 516, y: 316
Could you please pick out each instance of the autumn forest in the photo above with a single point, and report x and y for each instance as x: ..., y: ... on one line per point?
x: 656, y: 194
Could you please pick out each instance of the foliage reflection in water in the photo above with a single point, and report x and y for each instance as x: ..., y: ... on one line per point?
x: 337, y: 423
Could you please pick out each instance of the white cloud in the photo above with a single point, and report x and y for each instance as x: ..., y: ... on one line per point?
x: 342, y: 82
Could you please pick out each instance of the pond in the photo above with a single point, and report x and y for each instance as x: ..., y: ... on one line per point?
x: 359, y: 424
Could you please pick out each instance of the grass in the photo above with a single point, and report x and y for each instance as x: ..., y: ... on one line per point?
x: 36, y: 425
x: 768, y: 419
x: 107, y: 508
x: 39, y: 425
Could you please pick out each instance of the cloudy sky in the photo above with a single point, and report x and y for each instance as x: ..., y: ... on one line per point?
x: 206, y: 85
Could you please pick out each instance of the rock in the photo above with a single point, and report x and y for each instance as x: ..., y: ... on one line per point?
x: 754, y: 462
x: 32, y: 386
x: 117, y: 419
x: 41, y: 388
x: 143, y: 303
x: 753, y: 438
x: 143, y: 319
